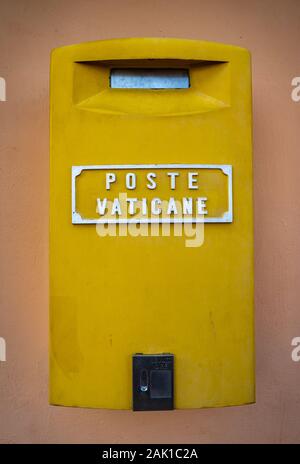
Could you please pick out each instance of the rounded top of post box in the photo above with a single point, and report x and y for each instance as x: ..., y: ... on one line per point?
x: 150, y: 48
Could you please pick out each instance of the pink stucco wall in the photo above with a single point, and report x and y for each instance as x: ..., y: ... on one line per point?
x: 28, y: 31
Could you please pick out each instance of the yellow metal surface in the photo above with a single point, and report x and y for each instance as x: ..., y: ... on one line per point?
x: 113, y: 296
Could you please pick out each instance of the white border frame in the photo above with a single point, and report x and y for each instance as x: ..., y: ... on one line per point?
x: 225, y: 168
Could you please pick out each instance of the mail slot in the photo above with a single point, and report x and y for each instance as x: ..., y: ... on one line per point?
x: 149, y: 138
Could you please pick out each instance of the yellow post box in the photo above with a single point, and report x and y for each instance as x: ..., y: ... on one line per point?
x: 151, y: 228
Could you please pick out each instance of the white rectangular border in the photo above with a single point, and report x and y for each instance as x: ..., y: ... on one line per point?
x: 225, y: 168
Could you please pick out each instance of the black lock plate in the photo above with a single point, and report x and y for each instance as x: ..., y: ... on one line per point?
x: 153, y: 388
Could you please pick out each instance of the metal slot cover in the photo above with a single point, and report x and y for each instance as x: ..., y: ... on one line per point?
x: 154, y: 78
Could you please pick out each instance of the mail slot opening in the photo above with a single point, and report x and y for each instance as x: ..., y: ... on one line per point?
x: 154, y: 78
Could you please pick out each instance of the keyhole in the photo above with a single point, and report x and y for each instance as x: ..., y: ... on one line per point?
x: 144, y: 380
